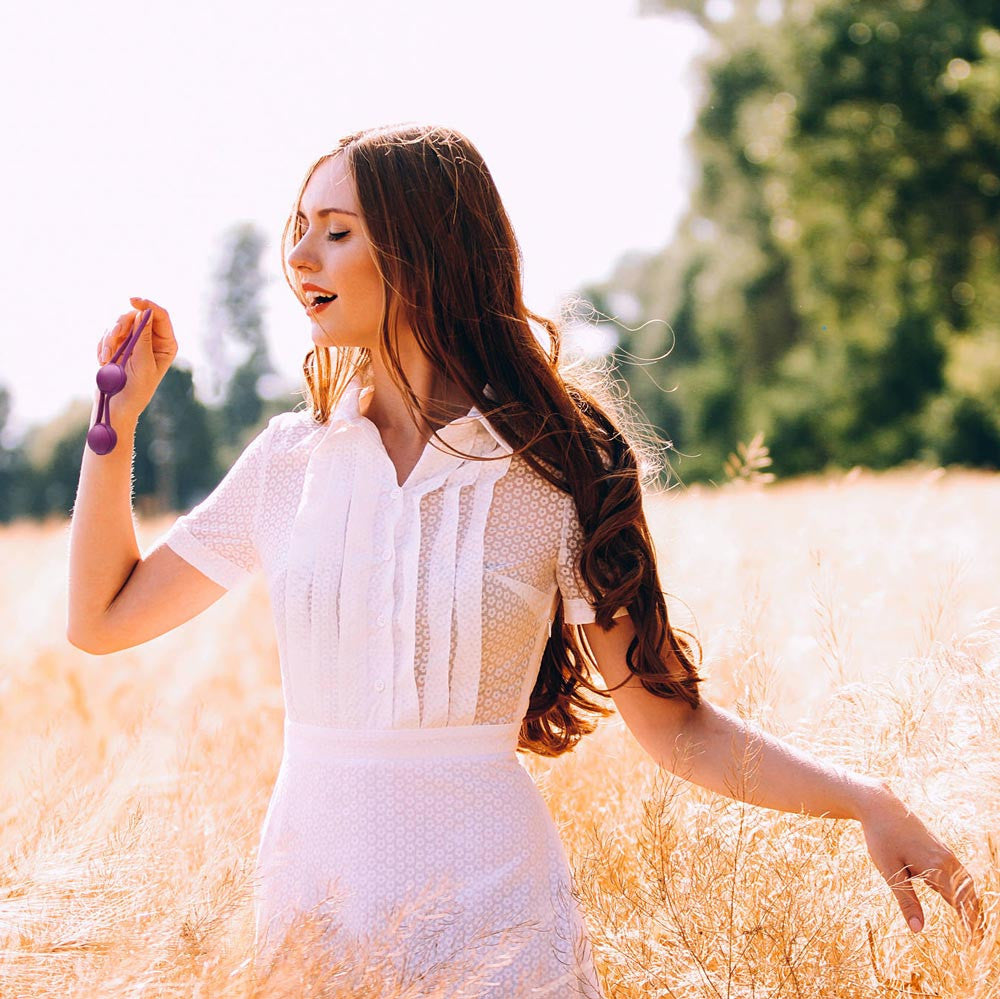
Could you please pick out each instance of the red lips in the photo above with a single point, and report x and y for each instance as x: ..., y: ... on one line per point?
x: 307, y: 286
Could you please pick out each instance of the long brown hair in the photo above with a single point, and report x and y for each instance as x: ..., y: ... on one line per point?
x: 450, y: 261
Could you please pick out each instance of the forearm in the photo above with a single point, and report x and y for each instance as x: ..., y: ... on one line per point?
x: 717, y: 750
x: 103, y: 550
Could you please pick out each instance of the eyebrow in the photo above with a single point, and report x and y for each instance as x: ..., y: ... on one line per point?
x: 323, y: 212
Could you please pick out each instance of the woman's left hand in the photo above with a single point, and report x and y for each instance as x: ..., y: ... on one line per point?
x: 903, y: 848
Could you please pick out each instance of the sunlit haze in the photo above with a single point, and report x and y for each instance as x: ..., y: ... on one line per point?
x: 139, y: 134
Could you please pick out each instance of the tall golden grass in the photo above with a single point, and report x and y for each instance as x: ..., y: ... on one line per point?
x: 856, y: 616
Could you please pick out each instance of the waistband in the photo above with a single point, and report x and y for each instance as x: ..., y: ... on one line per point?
x: 321, y: 742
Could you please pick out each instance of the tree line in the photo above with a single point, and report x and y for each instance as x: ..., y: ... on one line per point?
x: 833, y: 284
x: 833, y: 287
x: 183, y: 446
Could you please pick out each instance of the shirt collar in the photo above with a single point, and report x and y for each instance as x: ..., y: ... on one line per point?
x: 347, y: 411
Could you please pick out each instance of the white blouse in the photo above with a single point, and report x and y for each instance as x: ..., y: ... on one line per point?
x: 426, y: 604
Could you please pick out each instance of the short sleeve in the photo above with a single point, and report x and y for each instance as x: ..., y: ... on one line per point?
x: 578, y: 605
x: 218, y: 536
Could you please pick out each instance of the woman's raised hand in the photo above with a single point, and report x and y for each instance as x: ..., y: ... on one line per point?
x: 151, y: 357
x: 903, y: 849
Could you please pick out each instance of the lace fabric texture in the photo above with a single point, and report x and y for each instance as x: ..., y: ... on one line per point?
x: 395, y: 607
x: 401, y: 608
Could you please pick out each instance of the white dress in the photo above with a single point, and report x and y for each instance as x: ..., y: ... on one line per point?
x: 410, y: 626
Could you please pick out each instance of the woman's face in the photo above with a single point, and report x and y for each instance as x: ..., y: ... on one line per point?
x: 335, y: 255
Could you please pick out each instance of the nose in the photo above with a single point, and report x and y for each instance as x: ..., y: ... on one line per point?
x: 298, y: 259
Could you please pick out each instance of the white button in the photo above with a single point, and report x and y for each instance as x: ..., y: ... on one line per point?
x: 380, y: 686
x: 381, y: 620
x: 386, y: 555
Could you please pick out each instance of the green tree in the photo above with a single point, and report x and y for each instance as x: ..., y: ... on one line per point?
x: 834, y: 282
x: 176, y: 456
x: 237, y: 326
x: 17, y: 484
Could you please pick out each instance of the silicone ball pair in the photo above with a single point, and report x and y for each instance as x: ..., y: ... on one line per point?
x: 101, y: 438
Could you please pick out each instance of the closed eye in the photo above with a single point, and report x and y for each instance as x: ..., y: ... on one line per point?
x: 334, y: 236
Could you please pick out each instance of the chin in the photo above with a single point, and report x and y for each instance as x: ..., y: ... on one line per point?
x: 323, y: 338
x: 333, y: 334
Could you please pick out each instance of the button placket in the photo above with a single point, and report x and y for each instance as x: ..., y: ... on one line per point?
x: 390, y: 522
x: 383, y: 596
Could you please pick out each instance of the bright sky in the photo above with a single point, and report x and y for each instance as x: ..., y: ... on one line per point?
x: 138, y: 134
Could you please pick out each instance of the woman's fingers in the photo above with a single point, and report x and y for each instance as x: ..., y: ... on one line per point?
x: 104, y: 345
x: 149, y: 359
x: 161, y: 330
x: 902, y: 887
x: 904, y: 849
x: 955, y: 885
x: 120, y: 331
x: 127, y: 323
x: 951, y: 881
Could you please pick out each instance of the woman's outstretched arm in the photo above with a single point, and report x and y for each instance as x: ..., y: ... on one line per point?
x: 719, y: 751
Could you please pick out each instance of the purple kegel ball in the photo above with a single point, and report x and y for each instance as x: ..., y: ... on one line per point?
x: 101, y: 438
x: 111, y: 378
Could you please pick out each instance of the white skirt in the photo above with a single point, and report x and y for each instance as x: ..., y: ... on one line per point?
x: 440, y: 826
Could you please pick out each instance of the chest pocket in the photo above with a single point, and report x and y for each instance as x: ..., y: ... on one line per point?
x: 526, y: 578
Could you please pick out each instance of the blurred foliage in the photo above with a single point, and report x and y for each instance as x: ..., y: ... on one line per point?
x: 834, y: 282
x: 236, y: 315
x: 182, y: 446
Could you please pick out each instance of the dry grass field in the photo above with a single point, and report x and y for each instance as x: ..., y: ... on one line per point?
x: 857, y: 616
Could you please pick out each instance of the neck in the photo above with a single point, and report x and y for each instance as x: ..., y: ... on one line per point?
x: 384, y: 404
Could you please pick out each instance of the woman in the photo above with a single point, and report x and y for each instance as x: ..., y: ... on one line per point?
x: 435, y: 528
